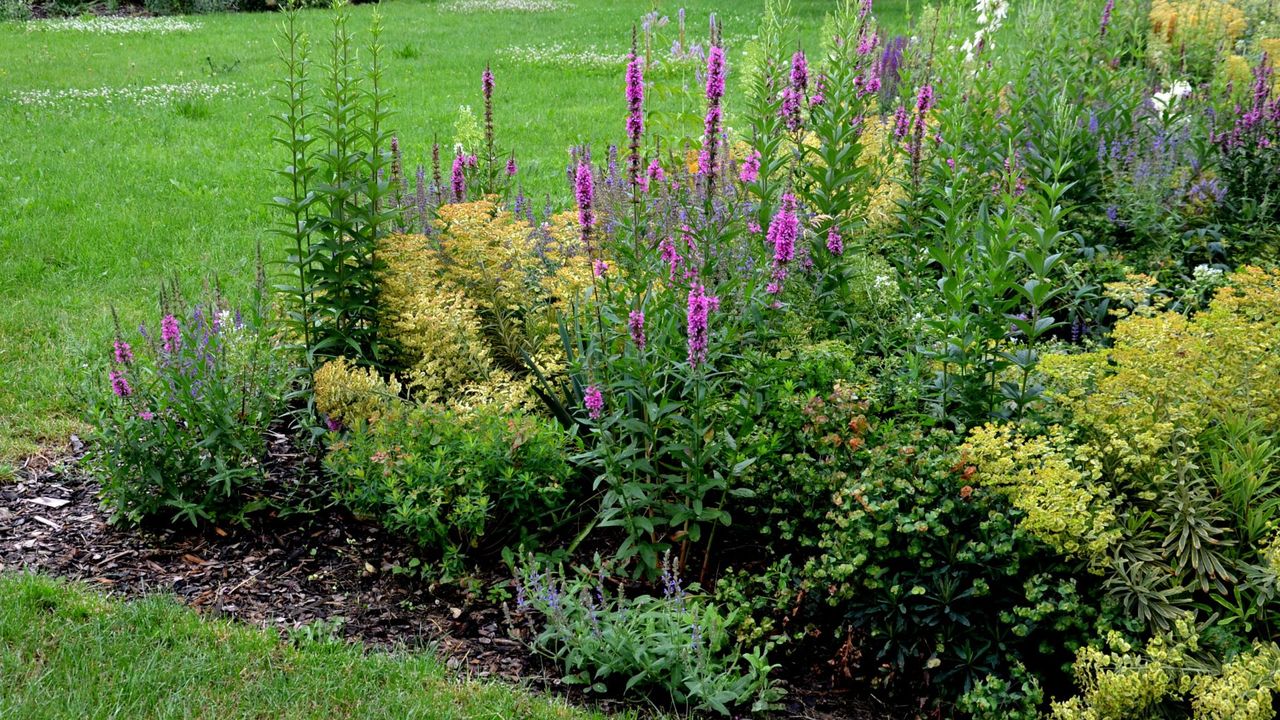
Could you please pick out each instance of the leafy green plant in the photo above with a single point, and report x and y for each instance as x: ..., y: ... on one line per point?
x: 337, y: 204
x: 669, y: 649
x: 180, y: 429
x: 452, y: 483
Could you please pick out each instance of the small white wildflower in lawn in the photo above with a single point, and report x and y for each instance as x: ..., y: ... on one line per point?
x: 561, y: 55
x: 141, y: 95
x: 469, y: 6
x: 114, y: 25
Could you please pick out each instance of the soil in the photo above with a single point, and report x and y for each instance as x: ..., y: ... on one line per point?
x: 300, y: 573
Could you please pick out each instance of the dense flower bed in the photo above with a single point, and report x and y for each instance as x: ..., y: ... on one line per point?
x: 947, y: 365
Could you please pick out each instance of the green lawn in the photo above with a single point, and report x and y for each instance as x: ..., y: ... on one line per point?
x: 67, y: 652
x: 103, y: 200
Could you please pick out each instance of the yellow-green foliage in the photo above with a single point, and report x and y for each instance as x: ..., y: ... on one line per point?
x: 1167, y: 377
x: 1120, y: 683
x: 348, y: 394
x: 1202, y: 20
x: 1244, y: 689
x: 467, y: 306
x: 1054, y: 485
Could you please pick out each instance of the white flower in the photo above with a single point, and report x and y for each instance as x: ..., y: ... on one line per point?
x: 1166, y: 99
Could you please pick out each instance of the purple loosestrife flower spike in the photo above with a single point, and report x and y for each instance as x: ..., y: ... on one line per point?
x: 835, y: 244
x: 656, y: 173
x: 593, y: 399
x: 511, y: 167
x: 671, y: 256
x: 585, y: 193
x: 459, y: 178
x: 1106, y: 17
x: 800, y: 72
x: 486, y: 83
x: 750, y: 168
x: 120, y: 384
x: 784, y: 229
x: 715, y: 93
x: 635, y: 114
x: 123, y: 353
x: 599, y: 267
x: 169, y: 334
x: 635, y: 324
x: 700, y: 307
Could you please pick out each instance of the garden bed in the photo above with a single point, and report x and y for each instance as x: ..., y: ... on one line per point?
x: 298, y: 575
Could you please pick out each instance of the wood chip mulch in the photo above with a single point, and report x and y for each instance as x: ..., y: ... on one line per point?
x: 290, y: 573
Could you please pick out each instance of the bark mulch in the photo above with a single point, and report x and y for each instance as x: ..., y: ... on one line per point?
x: 295, y: 573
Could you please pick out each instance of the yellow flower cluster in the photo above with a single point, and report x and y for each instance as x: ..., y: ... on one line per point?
x: 350, y: 394
x: 1216, y: 20
x: 1167, y: 377
x: 469, y: 305
x: 1244, y: 689
x: 1119, y: 683
x: 1065, y: 505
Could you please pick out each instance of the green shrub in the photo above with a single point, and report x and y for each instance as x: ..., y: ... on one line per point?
x: 669, y: 649
x: 180, y: 428
x: 453, y: 482
x: 936, y: 573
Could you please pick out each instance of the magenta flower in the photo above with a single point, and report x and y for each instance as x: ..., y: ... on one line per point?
x: 511, y: 167
x: 169, y: 334
x: 635, y: 114
x: 800, y: 72
x: 120, y: 384
x: 670, y: 255
x: 784, y: 230
x: 656, y: 173
x: 599, y: 267
x: 593, y: 399
x: 486, y: 82
x: 835, y: 244
x: 635, y: 324
x: 750, y: 168
x: 700, y: 307
x: 901, y: 122
x: 585, y: 192
x: 459, y: 178
x: 123, y: 353
x: 715, y: 92
x: 147, y: 415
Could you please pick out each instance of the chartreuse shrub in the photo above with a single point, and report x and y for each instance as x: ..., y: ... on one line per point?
x: 1164, y: 472
x: 452, y: 482
x: 180, y: 420
x: 673, y: 648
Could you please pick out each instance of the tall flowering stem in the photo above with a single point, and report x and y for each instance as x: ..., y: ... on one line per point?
x: 711, y: 133
x: 635, y: 120
x: 700, y: 307
x: 491, y: 155
x: 919, y: 122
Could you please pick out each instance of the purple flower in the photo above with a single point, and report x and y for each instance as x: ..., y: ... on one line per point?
x: 711, y: 135
x: 333, y: 424
x: 123, y: 353
x: 901, y: 122
x: 750, y: 168
x: 459, y: 178
x: 800, y: 72
x: 593, y: 399
x: 511, y: 167
x: 784, y: 229
x: 120, y: 384
x: 486, y: 83
x: 585, y: 193
x: 1106, y: 17
x: 169, y: 334
x: 635, y: 114
x: 700, y: 307
x: 147, y: 415
x: 792, y: 103
x: 670, y: 255
x: 835, y: 244
x: 656, y: 173
x: 635, y: 324
x: 599, y: 267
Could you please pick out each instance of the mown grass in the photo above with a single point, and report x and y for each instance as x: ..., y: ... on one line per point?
x: 102, y: 202
x: 67, y: 652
